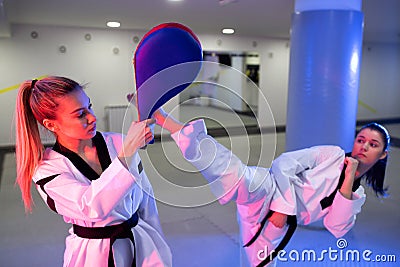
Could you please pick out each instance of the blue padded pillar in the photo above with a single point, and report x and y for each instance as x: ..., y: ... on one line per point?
x: 325, y: 57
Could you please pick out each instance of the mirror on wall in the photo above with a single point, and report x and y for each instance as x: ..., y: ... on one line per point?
x: 227, y: 92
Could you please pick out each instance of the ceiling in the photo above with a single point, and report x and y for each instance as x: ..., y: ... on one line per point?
x: 256, y: 18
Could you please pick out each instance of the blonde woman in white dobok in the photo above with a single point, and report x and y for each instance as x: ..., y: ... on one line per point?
x: 94, y: 180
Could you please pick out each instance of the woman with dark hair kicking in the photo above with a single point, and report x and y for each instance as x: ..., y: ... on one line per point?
x: 303, y: 186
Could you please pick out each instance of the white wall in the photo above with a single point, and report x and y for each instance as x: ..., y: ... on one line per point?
x: 379, y: 93
x: 110, y: 76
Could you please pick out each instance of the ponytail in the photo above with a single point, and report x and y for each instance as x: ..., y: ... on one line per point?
x: 36, y: 101
x: 376, y: 176
x: 29, y: 148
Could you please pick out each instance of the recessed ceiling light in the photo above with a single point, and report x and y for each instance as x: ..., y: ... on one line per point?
x: 113, y: 24
x: 228, y: 31
x: 225, y: 2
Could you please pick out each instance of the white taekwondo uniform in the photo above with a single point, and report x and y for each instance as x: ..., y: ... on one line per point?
x: 295, y: 184
x: 75, y: 191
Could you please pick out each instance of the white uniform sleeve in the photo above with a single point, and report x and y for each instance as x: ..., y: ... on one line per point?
x: 149, y: 221
x: 228, y: 177
x: 148, y: 208
x: 342, y: 213
x: 91, y: 201
x: 288, y: 166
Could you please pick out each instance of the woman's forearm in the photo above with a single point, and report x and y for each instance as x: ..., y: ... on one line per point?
x: 167, y: 121
x: 172, y: 125
x: 350, y: 173
x: 347, y: 188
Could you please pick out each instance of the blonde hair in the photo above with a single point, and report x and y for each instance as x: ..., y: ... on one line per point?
x: 36, y: 101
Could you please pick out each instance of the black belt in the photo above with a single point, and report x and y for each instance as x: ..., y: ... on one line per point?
x: 113, y: 232
x: 291, y: 221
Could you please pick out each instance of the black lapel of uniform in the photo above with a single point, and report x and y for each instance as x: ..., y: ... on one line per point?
x: 80, y: 164
x: 102, y: 151
x: 49, y: 200
x: 327, y: 201
x: 140, y: 167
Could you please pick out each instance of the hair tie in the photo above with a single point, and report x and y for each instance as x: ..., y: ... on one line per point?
x: 33, y: 83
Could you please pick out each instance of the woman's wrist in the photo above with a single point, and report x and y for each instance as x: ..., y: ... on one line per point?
x: 167, y: 121
x: 173, y: 126
x: 347, y: 187
x: 125, y: 160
